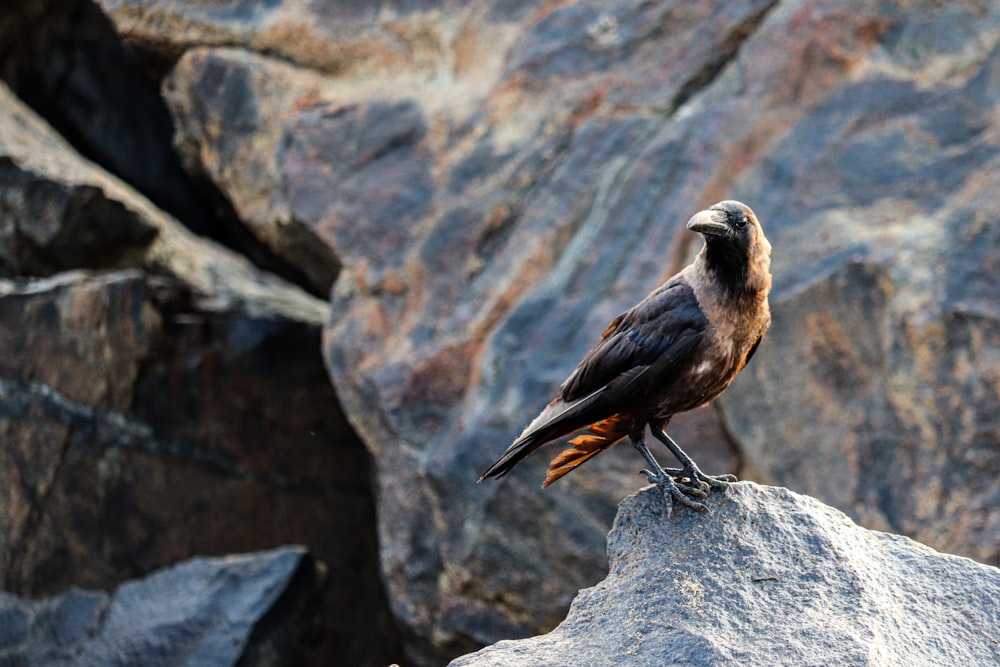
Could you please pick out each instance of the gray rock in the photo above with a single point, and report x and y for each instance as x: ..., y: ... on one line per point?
x: 172, y: 400
x: 879, y: 387
x: 500, y: 180
x: 48, y: 226
x: 55, y: 200
x: 138, y: 429
x: 769, y: 577
x: 199, y: 612
x: 64, y: 58
x: 229, y: 106
x: 523, y: 177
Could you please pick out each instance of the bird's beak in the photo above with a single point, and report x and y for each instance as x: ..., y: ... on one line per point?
x: 709, y: 222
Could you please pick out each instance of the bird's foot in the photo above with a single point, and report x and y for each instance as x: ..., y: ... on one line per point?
x: 690, y: 474
x: 693, y: 476
x: 674, y: 489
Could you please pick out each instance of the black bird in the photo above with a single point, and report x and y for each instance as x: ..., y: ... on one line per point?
x: 676, y: 350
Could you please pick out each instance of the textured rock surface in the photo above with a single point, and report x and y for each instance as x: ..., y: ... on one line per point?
x: 136, y: 405
x: 64, y: 58
x: 888, y: 333
x: 172, y: 400
x: 769, y: 577
x: 487, y: 184
x: 61, y: 211
x: 128, y: 417
x: 224, y: 611
x: 521, y: 174
x: 225, y: 102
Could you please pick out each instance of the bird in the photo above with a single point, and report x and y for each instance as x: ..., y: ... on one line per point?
x: 676, y: 350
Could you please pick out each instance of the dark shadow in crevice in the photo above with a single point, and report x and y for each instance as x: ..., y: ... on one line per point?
x: 65, y: 60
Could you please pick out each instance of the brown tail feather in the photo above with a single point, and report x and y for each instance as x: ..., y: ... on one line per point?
x: 601, y: 435
x: 555, y: 421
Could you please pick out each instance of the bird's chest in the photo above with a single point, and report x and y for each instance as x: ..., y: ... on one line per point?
x: 712, y: 371
x: 715, y: 363
x: 726, y: 347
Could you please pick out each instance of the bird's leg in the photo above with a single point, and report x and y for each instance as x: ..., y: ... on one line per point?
x: 690, y: 471
x: 667, y: 481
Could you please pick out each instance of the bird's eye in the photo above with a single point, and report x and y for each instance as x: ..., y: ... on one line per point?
x: 742, y: 221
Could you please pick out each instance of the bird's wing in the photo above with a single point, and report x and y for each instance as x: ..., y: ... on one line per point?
x: 660, y: 331
x: 653, y: 336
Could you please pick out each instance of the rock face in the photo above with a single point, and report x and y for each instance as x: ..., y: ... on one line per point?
x: 168, y: 401
x: 128, y: 416
x: 64, y: 58
x: 225, y: 611
x: 498, y: 199
x: 61, y: 212
x: 486, y: 185
x: 768, y: 577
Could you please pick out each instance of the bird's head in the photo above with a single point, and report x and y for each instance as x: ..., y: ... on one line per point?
x: 735, y: 246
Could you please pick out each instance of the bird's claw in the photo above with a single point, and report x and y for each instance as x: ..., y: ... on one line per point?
x: 686, y: 484
x: 668, y: 481
x: 677, y: 490
x: 693, y: 474
x: 683, y: 495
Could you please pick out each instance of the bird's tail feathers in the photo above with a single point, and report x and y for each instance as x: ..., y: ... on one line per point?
x: 600, y: 436
x: 556, y: 420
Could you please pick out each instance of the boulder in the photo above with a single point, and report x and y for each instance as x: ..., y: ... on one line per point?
x: 524, y: 177
x: 140, y: 429
x: 61, y: 211
x: 442, y: 241
x: 66, y: 61
x: 767, y: 577
x: 225, y: 611
x: 228, y: 105
x: 170, y: 399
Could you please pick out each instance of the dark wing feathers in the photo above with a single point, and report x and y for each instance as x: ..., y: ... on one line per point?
x: 661, y: 329
x: 640, y: 347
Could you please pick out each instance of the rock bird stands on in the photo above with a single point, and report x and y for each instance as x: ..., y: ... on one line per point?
x: 678, y: 349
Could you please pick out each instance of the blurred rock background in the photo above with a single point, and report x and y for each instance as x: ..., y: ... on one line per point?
x: 478, y: 188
